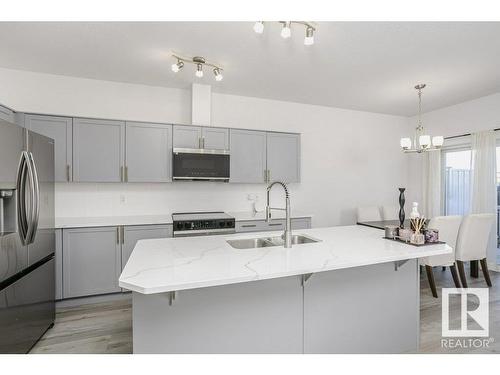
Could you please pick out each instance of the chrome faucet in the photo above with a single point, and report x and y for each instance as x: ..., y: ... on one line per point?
x: 287, y: 236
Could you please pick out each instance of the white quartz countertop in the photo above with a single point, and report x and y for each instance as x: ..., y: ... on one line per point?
x: 173, y: 264
x: 106, y: 221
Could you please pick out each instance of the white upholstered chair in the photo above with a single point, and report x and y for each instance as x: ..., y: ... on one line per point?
x: 390, y: 213
x: 448, y: 227
x: 369, y: 213
x: 472, y: 243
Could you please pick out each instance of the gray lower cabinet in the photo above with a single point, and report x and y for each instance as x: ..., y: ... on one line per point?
x: 187, y: 136
x: 148, y: 156
x: 6, y: 114
x: 132, y: 234
x: 60, y: 129
x: 278, y: 224
x: 91, y: 261
x: 248, y: 156
x: 215, y: 138
x: 59, y: 264
x: 283, y: 157
x: 98, y: 150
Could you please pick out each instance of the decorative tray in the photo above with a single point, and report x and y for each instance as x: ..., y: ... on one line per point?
x: 412, y: 244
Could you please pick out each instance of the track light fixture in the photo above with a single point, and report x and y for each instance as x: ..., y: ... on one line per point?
x: 200, y: 62
x: 286, y: 30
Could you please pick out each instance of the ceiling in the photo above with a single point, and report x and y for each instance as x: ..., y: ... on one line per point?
x: 369, y: 66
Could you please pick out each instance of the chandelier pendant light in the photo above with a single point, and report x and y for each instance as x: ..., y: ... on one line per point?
x: 200, y: 63
x: 286, y: 30
x: 421, y: 142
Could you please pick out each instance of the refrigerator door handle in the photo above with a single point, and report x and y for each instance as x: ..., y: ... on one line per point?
x: 35, y: 198
x: 22, y: 217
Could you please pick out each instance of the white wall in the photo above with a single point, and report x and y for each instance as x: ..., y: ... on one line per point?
x: 349, y: 158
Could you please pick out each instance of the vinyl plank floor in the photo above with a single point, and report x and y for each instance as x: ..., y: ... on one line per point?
x: 106, y: 327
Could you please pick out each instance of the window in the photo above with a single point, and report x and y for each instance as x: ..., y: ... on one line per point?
x: 457, y: 166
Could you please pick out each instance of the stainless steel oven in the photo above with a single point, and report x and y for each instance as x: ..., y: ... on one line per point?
x: 200, y: 164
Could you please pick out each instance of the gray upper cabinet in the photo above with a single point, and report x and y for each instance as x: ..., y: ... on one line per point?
x: 248, y: 156
x: 98, y: 150
x: 148, y: 156
x: 132, y: 234
x: 6, y: 114
x: 187, y: 136
x: 91, y: 261
x: 60, y: 129
x: 283, y: 157
x: 215, y: 138
x: 200, y: 137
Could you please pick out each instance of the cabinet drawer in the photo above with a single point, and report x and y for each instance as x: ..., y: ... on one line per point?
x: 259, y: 225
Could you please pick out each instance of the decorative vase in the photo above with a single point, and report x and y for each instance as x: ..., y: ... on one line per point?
x: 402, y: 207
x: 417, y: 239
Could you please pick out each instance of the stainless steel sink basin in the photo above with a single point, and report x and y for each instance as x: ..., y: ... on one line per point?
x: 254, y: 243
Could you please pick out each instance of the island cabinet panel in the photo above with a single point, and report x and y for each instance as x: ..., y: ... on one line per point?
x: 275, y: 224
x: 148, y: 152
x: 6, y: 114
x: 254, y: 317
x: 283, y: 157
x: 371, y: 309
x: 187, y: 136
x: 215, y: 138
x: 60, y: 129
x: 91, y: 261
x: 98, y: 150
x: 248, y: 156
x: 132, y: 234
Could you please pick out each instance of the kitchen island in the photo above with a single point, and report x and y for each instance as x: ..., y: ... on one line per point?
x: 350, y: 292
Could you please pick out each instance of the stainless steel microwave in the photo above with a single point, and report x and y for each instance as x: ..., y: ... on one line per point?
x: 200, y: 164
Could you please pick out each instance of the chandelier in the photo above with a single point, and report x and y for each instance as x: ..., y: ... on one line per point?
x: 422, y: 142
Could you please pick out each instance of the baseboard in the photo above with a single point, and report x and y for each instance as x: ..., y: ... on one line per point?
x: 71, y: 302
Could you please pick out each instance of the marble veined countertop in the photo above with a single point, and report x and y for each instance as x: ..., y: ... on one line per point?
x: 173, y: 264
x: 106, y: 221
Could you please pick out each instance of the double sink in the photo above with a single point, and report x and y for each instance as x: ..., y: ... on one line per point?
x: 254, y: 243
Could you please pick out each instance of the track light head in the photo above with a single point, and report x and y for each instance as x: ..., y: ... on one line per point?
x: 309, y: 39
x: 177, y: 66
x: 286, y: 31
x: 199, y: 70
x: 258, y: 27
x: 218, y: 74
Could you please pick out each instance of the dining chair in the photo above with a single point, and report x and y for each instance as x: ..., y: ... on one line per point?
x: 390, y: 213
x: 369, y: 213
x: 448, y: 227
x: 472, y: 243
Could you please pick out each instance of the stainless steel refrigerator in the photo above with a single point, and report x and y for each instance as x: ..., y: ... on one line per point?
x: 27, y: 238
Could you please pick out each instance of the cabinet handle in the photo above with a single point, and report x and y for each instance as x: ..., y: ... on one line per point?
x: 268, y: 175
x: 68, y: 173
x: 203, y: 142
x: 248, y: 225
x: 199, y: 143
x: 123, y: 235
x: 275, y: 224
x: 117, y: 235
x: 265, y: 175
x: 126, y: 173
